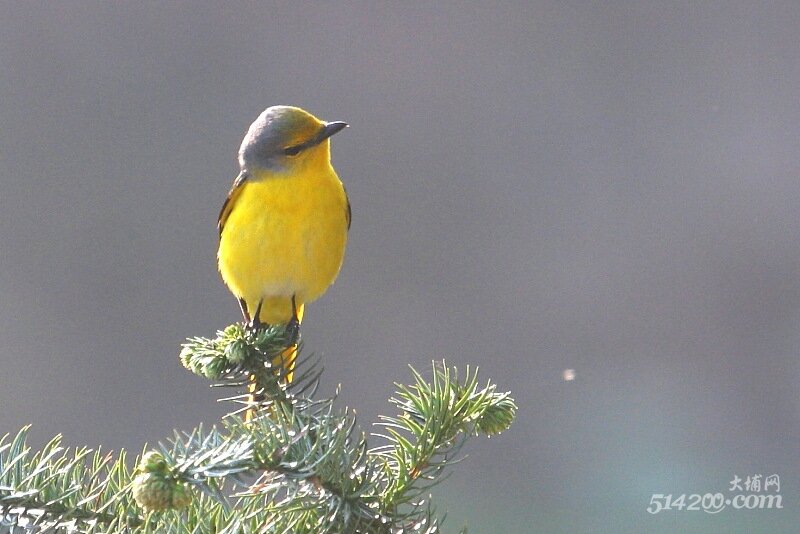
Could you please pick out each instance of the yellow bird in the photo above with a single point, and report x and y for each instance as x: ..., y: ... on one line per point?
x: 283, y: 228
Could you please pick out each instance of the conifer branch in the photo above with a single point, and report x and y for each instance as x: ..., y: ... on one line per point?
x: 55, y: 488
x: 302, y: 465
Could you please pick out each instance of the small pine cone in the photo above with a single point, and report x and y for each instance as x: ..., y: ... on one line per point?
x: 236, y: 352
x: 214, y: 368
x: 186, y: 356
x: 152, y: 462
x: 153, y: 491
x: 497, y: 417
x: 181, y: 495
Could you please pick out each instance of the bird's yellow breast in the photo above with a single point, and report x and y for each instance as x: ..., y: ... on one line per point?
x: 285, y: 235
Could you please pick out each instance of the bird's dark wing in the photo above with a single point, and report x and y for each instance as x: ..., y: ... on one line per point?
x: 227, y: 207
x: 348, y: 212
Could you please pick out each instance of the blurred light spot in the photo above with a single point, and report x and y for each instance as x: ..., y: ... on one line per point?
x: 568, y: 375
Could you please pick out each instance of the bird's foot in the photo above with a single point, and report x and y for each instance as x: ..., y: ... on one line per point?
x: 254, y: 324
x: 292, y: 332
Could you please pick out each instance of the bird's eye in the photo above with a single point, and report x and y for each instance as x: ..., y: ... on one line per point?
x: 292, y: 150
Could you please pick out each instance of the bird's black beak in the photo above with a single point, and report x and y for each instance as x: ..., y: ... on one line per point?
x: 328, y: 130
x: 331, y: 128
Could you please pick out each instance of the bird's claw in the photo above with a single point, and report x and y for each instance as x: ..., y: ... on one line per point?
x: 292, y: 331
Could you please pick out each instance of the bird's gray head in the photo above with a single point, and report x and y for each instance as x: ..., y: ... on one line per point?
x: 279, y: 135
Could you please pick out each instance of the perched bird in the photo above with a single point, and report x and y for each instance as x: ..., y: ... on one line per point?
x: 283, y: 228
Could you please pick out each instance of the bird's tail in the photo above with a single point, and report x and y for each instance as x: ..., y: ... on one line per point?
x: 286, y: 360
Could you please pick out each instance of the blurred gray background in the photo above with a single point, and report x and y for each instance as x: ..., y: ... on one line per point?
x: 610, y: 187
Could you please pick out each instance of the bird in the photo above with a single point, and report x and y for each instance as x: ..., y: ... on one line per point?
x: 284, y: 224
